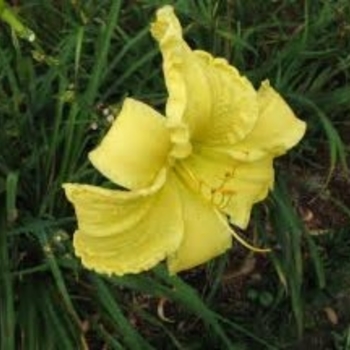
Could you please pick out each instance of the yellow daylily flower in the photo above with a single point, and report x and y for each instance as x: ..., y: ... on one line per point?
x: 209, y: 158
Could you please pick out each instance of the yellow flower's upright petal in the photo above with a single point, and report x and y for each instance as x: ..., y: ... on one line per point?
x: 276, y: 130
x: 208, y: 94
x: 234, y: 107
x: 206, y: 232
x: 123, y: 232
x: 232, y: 186
x: 135, y: 148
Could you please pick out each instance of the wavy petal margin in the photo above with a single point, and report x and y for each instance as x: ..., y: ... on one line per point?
x: 123, y: 232
x: 250, y: 183
x: 208, y: 94
x: 276, y: 131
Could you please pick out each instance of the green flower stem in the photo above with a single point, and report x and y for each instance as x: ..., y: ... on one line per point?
x: 8, y: 16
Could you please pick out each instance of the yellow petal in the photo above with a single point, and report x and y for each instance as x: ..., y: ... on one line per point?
x: 249, y: 184
x: 125, y: 232
x: 208, y: 94
x: 232, y: 186
x: 206, y: 232
x: 276, y: 130
x: 135, y: 148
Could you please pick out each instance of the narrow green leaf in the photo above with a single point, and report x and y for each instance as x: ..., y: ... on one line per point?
x: 11, y: 196
x: 317, y: 261
x: 130, y: 336
x: 7, y: 298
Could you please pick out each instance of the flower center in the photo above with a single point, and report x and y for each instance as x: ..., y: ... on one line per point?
x: 219, y: 197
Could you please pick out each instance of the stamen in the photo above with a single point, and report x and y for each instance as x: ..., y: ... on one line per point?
x: 188, y: 176
x: 224, y: 194
x: 219, y: 197
x: 248, y: 245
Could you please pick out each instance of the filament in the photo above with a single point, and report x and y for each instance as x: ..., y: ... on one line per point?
x: 248, y: 245
x: 219, y: 197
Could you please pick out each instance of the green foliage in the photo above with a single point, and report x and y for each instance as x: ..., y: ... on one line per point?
x: 89, y: 53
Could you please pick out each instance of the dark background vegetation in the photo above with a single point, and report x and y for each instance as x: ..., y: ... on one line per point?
x: 90, y: 54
